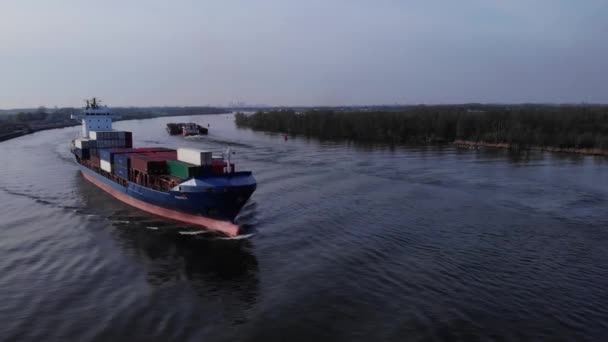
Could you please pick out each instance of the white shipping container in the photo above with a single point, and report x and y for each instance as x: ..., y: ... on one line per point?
x: 193, y: 156
x: 107, y: 135
x: 106, y: 166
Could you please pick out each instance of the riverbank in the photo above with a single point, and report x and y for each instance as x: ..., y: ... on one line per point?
x: 34, y: 129
x: 43, y: 127
x: 26, y: 122
x: 585, y: 151
x: 568, y: 128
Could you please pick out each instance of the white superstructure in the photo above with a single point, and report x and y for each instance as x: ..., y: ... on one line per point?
x: 95, y: 118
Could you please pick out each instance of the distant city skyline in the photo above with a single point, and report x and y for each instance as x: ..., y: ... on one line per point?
x: 294, y: 53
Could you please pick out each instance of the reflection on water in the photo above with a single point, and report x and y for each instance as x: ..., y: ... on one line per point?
x: 205, y: 260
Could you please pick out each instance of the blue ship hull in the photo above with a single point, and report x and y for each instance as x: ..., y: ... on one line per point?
x: 213, y: 203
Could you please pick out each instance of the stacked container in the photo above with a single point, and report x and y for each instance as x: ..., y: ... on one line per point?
x: 149, y: 163
x: 109, y: 139
x: 181, y: 169
x: 107, y: 135
x: 120, y: 171
x: 110, y: 154
x: 107, y: 157
x: 120, y: 161
x: 193, y: 156
x: 83, y: 143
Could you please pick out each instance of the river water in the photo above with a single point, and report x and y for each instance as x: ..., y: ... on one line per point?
x: 352, y: 243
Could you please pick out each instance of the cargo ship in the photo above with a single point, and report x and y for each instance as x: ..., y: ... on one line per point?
x: 186, y: 129
x: 186, y: 185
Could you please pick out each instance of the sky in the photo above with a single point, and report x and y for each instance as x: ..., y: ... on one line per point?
x: 305, y: 53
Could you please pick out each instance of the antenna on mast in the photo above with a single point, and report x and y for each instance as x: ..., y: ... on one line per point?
x: 93, y: 103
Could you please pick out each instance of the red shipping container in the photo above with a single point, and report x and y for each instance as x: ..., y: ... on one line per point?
x: 147, y: 164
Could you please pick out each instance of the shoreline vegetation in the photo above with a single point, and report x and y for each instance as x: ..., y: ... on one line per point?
x: 556, y: 128
x: 27, y: 122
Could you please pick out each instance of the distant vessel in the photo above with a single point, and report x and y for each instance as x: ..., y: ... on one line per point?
x: 186, y: 185
x: 186, y: 129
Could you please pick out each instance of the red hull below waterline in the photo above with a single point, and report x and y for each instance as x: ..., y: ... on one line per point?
x: 224, y: 227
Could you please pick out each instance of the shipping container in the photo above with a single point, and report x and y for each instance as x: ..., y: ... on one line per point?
x: 147, y: 163
x: 122, y: 156
x: 121, y: 171
x: 105, y: 165
x: 108, y: 135
x: 112, y: 144
x: 104, y: 154
x: 110, y: 154
x: 84, y: 143
x: 193, y: 156
x: 122, y: 160
x: 128, y: 139
x: 82, y: 153
x: 180, y: 169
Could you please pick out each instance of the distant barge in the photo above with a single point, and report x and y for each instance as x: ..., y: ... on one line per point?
x: 186, y: 129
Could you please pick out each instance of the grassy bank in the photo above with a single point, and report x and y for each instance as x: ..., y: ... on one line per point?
x: 517, y: 127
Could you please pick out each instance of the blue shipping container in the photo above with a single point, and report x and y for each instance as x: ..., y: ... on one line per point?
x: 122, y: 160
x: 121, y: 172
x: 104, y: 154
x: 110, y: 154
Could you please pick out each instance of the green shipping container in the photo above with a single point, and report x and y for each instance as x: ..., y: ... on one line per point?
x: 182, y: 170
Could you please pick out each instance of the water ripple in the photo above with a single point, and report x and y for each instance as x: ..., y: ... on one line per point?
x: 348, y: 242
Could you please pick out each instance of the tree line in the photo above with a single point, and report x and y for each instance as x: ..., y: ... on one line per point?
x: 42, y: 118
x: 567, y: 126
